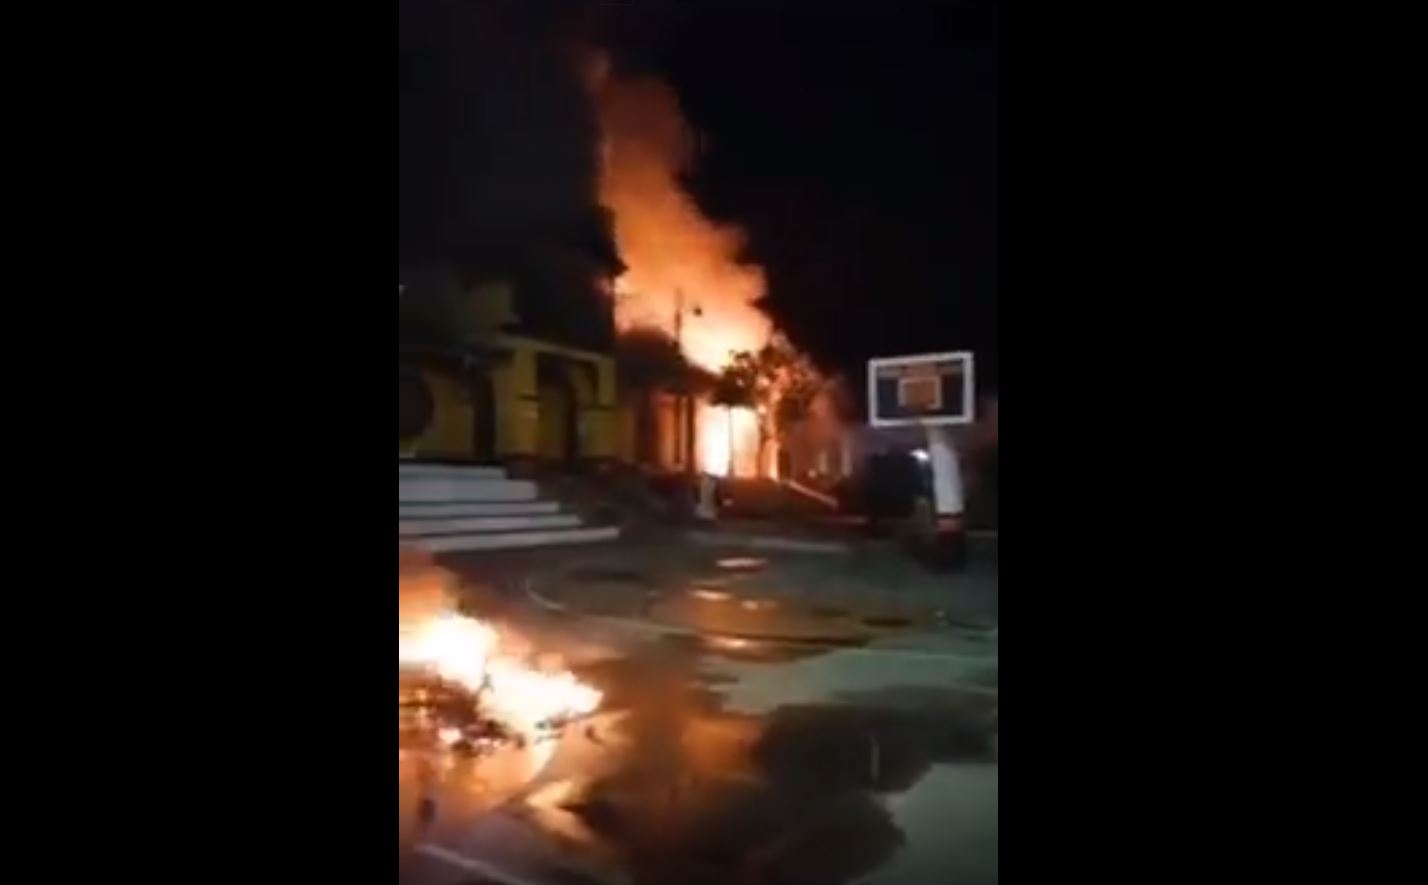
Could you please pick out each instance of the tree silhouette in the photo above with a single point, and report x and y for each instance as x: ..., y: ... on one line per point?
x: 777, y: 381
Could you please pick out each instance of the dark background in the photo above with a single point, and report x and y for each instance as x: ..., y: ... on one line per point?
x: 857, y: 144
x: 1185, y: 184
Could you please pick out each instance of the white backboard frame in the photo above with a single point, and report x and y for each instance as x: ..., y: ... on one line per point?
x: 968, y: 390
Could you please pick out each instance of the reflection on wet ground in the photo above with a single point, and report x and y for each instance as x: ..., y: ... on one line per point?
x: 741, y: 563
x: 673, y: 784
x: 739, y: 649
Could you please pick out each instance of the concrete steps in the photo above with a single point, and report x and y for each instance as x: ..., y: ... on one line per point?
x: 447, y: 508
x: 440, y: 509
x: 466, y: 489
x: 471, y: 472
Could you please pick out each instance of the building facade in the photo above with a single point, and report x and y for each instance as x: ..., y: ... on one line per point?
x: 480, y: 388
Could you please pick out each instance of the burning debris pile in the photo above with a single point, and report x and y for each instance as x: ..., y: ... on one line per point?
x: 471, y: 685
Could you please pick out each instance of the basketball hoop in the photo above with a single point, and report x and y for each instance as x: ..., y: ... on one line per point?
x: 927, y: 389
x: 933, y: 391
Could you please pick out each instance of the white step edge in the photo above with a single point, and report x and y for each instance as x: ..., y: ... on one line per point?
x: 442, y: 509
x: 512, y: 540
x: 463, y: 525
x: 427, y: 489
x: 473, y: 471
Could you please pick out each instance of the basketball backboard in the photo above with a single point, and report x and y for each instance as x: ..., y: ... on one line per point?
x: 927, y: 389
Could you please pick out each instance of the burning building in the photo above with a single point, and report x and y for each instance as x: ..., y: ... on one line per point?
x: 562, y: 226
x: 684, y: 276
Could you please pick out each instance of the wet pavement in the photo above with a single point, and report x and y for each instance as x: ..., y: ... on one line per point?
x: 872, y: 578
x: 721, y: 760
x: 844, y: 599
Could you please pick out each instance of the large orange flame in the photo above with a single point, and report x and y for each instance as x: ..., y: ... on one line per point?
x: 728, y: 440
x: 467, y: 652
x: 684, y: 272
x: 677, y: 260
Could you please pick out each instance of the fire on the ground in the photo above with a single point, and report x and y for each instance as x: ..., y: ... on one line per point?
x: 471, y: 662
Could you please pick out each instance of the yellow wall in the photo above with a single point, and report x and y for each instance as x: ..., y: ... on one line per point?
x: 452, y: 429
x: 519, y: 399
x: 598, y: 433
x: 523, y: 428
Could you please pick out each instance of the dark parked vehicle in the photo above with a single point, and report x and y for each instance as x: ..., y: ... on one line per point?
x: 894, y: 491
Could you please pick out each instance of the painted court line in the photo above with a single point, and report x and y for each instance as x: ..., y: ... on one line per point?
x: 665, y: 630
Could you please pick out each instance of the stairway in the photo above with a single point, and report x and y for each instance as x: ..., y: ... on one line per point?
x: 446, y: 508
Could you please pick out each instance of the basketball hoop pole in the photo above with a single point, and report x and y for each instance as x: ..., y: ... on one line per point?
x: 931, y: 392
x: 946, y: 473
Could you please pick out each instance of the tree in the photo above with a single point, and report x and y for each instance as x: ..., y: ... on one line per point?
x: 736, y: 387
x: 777, y: 381
x: 450, y: 310
x: 796, y: 385
x: 801, y: 386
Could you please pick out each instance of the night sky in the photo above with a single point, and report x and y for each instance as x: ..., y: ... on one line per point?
x: 857, y: 145
x: 854, y: 142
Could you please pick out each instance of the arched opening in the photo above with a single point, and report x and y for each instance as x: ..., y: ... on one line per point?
x: 569, y: 411
x: 483, y: 414
x: 555, y: 440
x: 583, y: 399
